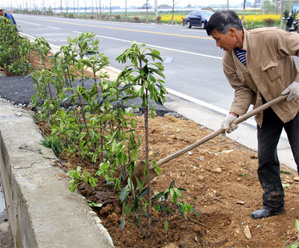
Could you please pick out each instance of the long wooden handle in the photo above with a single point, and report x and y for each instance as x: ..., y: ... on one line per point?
x: 221, y: 130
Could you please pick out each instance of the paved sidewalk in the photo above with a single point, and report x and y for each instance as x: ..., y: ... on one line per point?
x: 245, y: 134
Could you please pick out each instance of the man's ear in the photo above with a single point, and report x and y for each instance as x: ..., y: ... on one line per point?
x: 232, y: 31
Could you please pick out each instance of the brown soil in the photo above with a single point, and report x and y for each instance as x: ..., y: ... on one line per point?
x: 221, y: 184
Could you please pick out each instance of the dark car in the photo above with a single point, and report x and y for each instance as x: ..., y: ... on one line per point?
x: 198, y: 18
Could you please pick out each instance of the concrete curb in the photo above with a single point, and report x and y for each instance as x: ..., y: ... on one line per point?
x: 42, y: 211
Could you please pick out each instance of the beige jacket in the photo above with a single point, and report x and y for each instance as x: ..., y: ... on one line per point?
x: 270, y: 69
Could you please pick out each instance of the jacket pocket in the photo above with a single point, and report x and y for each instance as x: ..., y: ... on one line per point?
x: 271, y: 68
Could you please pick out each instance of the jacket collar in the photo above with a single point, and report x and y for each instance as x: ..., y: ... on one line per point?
x: 245, y: 39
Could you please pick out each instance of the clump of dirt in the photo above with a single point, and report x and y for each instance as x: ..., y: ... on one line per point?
x: 221, y: 184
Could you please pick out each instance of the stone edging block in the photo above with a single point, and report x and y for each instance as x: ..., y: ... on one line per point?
x: 42, y: 211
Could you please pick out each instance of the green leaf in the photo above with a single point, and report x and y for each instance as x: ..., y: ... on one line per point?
x: 122, y: 223
x: 163, y: 208
x: 166, y: 225
x: 124, y: 194
x: 143, y: 193
x: 297, y: 224
x: 158, y: 170
x: 296, y: 245
x: 197, y: 214
x: 135, y: 205
x: 171, y: 185
x: 72, y: 187
x: 181, y: 189
x: 285, y: 172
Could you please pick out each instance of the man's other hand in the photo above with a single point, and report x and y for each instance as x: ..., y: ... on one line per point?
x: 226, y: 124
x: 292, y: 90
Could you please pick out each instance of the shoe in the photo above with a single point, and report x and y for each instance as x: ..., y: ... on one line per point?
x: 265, y: 213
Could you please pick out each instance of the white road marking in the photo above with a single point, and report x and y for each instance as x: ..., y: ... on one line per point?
x: 36, y: 24
x: 174, y: 92
x: 53, y: 27
x: 160, y: 47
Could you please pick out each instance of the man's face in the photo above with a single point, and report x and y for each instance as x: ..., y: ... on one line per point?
x: 227, y: 41
x: 1, y: 13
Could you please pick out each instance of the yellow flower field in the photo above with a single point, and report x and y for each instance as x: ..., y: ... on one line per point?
x: 257, y: 18
x: 167, y: 17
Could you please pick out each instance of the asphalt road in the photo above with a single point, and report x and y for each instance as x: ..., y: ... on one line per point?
x: 193, y: 63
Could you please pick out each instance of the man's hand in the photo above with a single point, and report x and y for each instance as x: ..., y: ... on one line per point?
x: 226, y: 124
x: 292, y: 90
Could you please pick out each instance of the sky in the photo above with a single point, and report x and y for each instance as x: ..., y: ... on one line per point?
x: 121, y: 3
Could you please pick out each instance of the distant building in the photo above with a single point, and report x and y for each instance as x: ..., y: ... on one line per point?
x: 164, y: 6
x: 296, y: 7
x: 258, y: 3
x: 247, y: 4
x: 208, y: 8
x: 145, y: 6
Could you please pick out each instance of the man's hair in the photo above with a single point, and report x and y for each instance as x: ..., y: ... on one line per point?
x: 221, y: 21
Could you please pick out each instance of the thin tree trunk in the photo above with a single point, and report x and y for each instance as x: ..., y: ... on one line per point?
x: 146, y: 20
x: 243, y: 16
x: 149, y: 208
x: 100, y: 5
x: 110, y: 11
x: 172, y: 16
x: 126, y: 15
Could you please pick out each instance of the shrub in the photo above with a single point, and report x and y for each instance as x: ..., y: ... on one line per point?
x: 269, y: 22
x: 136, y: 19
x: 13, y: 49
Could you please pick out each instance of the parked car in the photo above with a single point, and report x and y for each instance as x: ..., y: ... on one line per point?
x: 198, y: 18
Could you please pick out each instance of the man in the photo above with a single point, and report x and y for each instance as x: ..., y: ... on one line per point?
x: 8, y: 16
x: 289, y: 23
x: 259, y: 66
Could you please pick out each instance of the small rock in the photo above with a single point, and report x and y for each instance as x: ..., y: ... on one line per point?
x: 296, y: 179
x: 92, y: 213
x: 176, y: 115
x: 216, y: 170
x: 98, y: 220
x: 129, y: 110
x: 253, y: 156
x: 171, y: 245
x: 201, y: 158
x: 200, y: 178
x: 30, y: 106
x: 189, y: 153
x: 247, y: 232
x: 240, y: 202
x: 227, y: 151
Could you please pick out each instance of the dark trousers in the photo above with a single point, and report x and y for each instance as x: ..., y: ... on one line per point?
x: 269, y: 167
